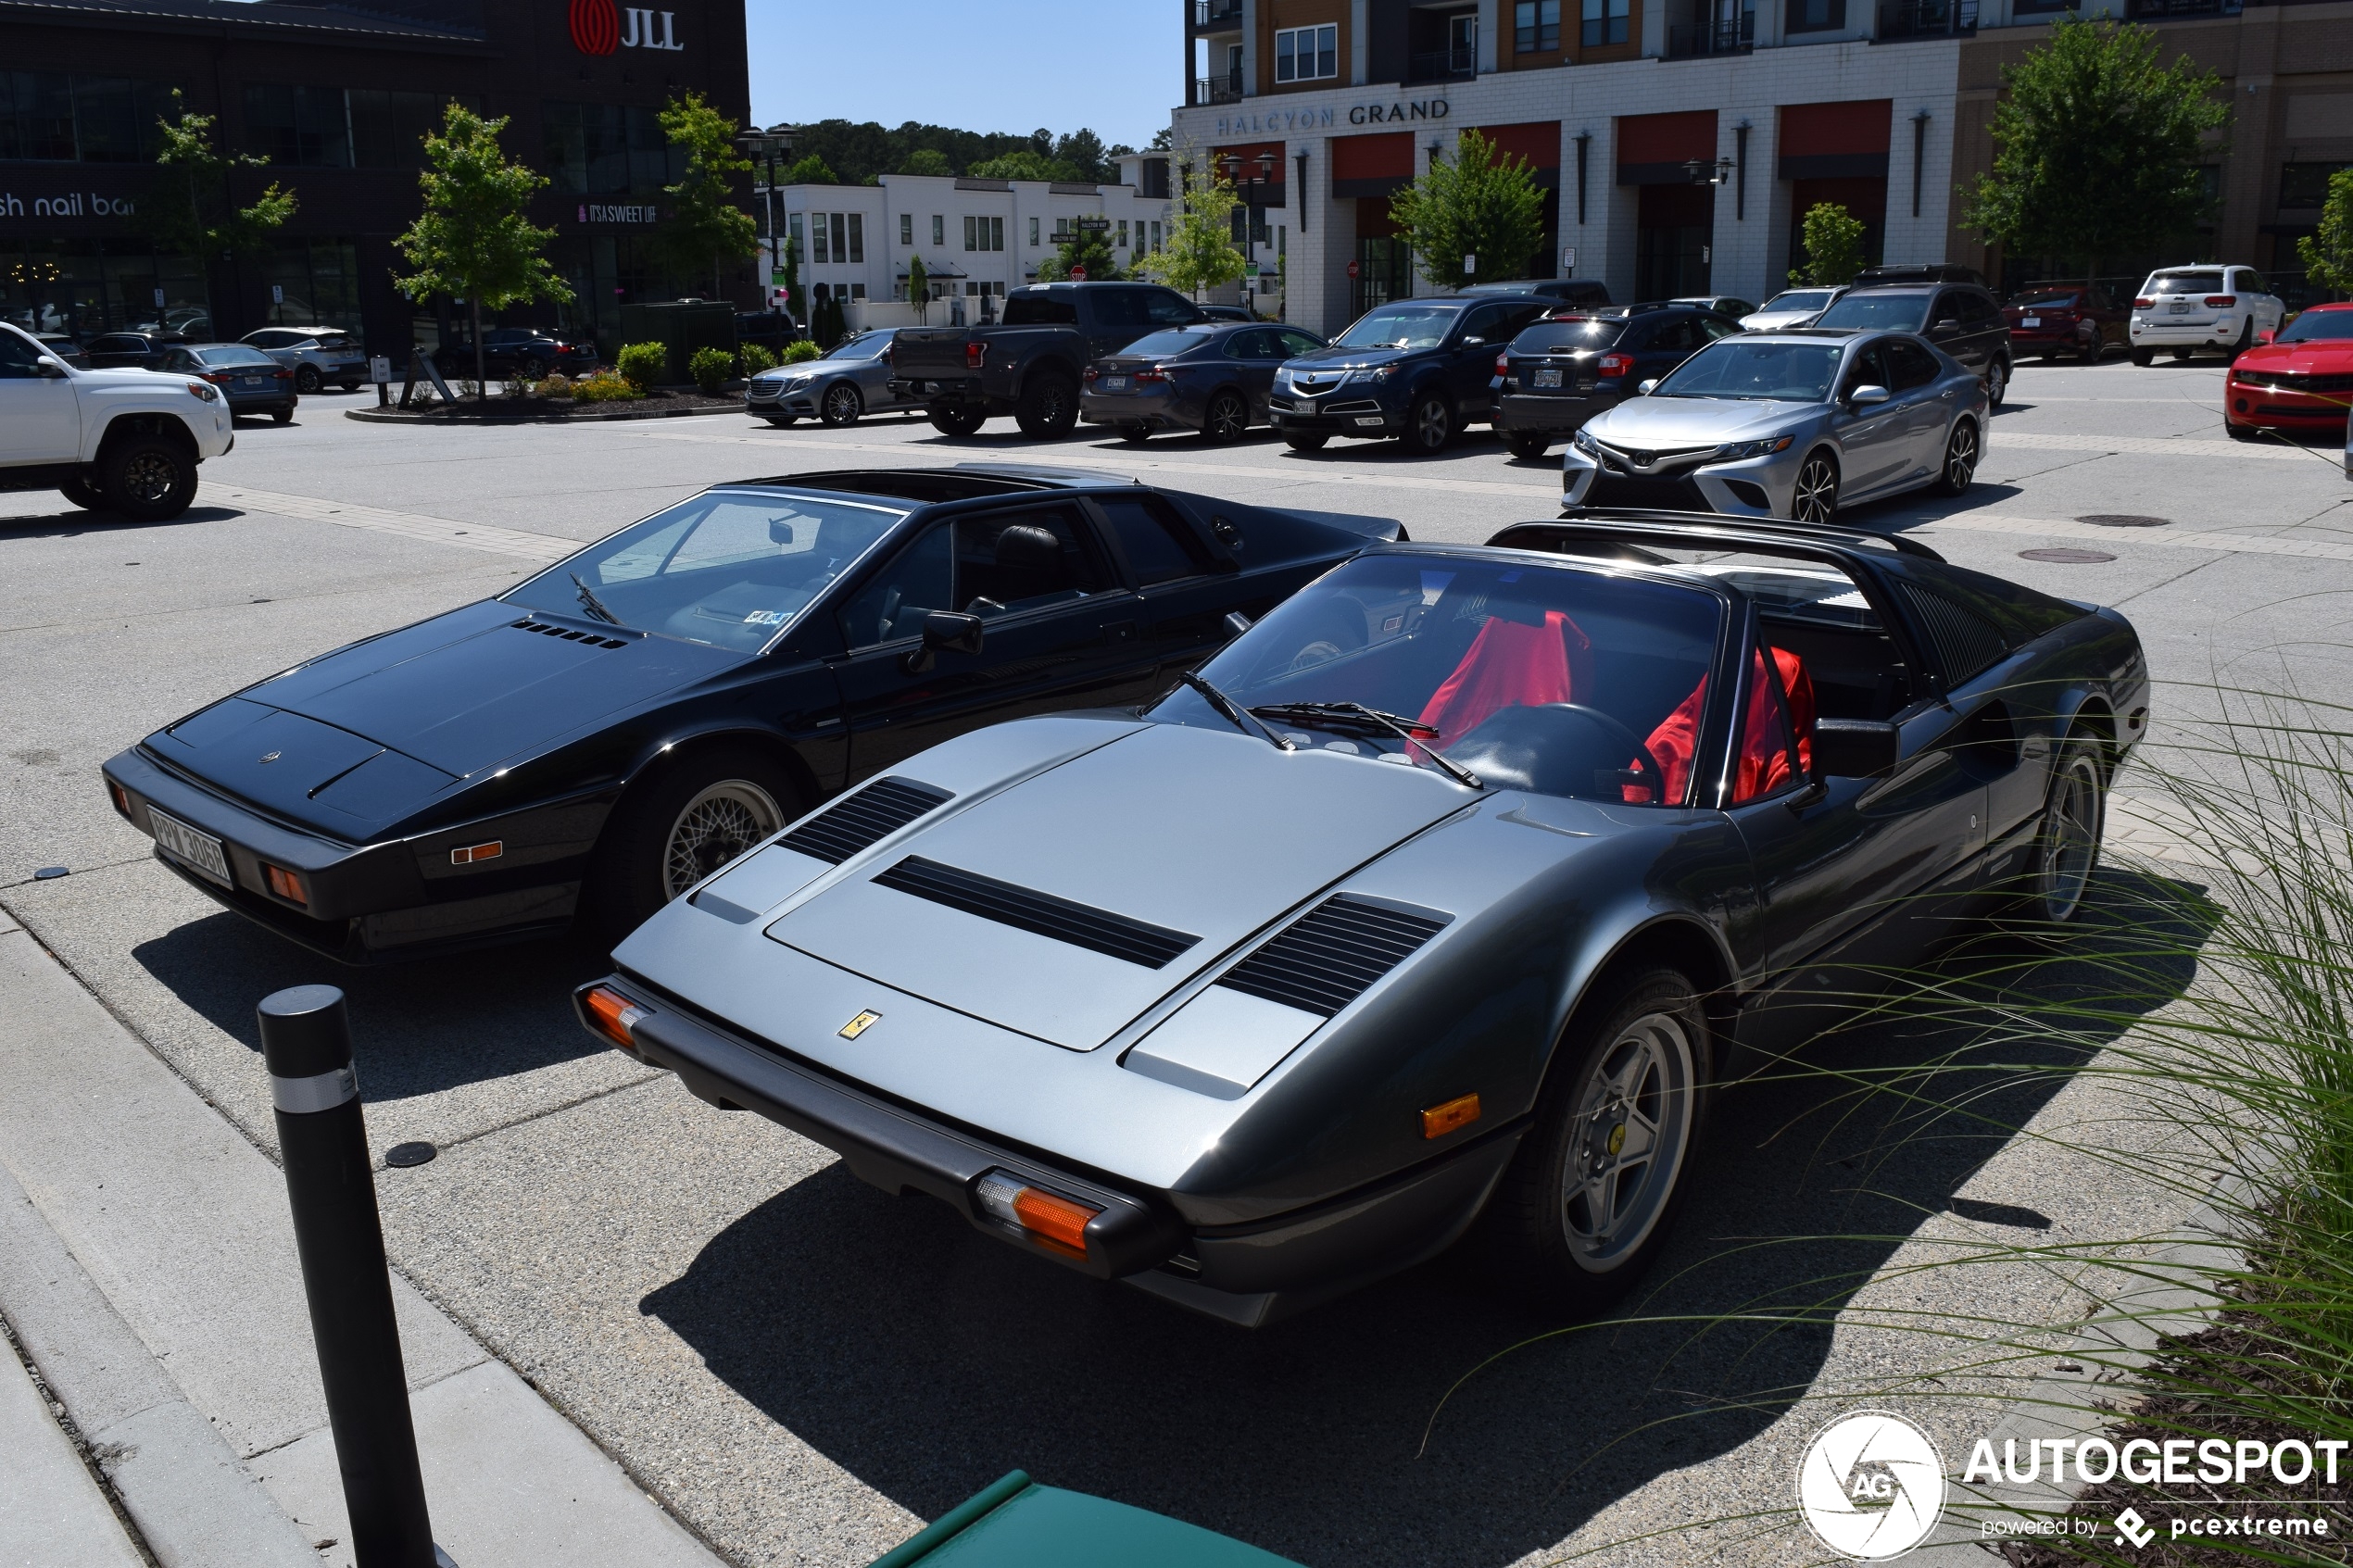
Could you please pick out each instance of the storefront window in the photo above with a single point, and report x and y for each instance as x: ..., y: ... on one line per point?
x: 388, y: 130
x: 50, y: 117
x: 300, y: 127
x: 316, y: 284
x: 85, y: 287
x: 608, y: 150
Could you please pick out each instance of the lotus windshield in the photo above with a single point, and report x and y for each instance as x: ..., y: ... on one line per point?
x: 2316, y: 326
x: 1400, y: 326
x: 1562, y: 680
x: 1734, y: 367
x: 730, y: 568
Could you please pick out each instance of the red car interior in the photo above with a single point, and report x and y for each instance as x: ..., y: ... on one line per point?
x: 1511, y: 663
x: 1780, y: 705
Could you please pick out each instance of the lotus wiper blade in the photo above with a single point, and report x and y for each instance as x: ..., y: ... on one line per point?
x: 1248, y: 724
x: 595, y: 605
x: 1407, y: 730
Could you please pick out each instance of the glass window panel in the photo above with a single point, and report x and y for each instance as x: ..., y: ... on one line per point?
x: 841, y: 249
x: 1327, y: 50
x: 105, y: 123
x: 857, y: 237
x: 270, y: 130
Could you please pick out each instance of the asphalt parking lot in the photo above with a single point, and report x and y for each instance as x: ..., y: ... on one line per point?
x: 801, y: 1369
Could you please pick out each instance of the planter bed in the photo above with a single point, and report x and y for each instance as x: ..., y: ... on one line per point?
x: 662, y: 402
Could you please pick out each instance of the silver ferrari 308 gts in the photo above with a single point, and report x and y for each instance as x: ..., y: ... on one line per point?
x: 1441, y: 897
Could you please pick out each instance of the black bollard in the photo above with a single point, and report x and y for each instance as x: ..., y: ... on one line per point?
x: 307, y: 1039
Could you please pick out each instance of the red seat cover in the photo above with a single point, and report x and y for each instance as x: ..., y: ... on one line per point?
x: 1510, y: 664
x: 1764, y: 761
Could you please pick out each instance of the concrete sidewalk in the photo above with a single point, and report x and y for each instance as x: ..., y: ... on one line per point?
x: 147, y: 1268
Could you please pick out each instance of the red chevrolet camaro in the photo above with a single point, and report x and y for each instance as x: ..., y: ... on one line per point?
x: 2300, y: 380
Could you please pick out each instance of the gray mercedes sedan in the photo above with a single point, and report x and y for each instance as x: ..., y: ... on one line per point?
x: 1788, y: 424
x: 850, y: 380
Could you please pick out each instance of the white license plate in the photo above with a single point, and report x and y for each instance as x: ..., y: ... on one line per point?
x: 1303, y: 406
x: 2031, y: 322
x: 254, y: 381
x: 1547, y: 377
x: 199, y: 851
x: 1115, y: 383
x: 2179, y: 307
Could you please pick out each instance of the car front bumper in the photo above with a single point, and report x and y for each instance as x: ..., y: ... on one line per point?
x: 1747, y: 487
x: 1246, y: 1274
x: 798, y: 401
x: 2290, y: 408
x: 368, y: 902
x: 1349, y: 411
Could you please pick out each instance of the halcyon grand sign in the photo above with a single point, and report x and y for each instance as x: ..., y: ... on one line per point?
x: 1310, y: 118
x: 598, y: 29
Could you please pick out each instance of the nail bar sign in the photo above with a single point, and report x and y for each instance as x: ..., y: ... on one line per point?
x: 599, y: 27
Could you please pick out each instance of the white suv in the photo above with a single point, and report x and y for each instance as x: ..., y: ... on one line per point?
x: 120, y: 441
x: 2186, y: 308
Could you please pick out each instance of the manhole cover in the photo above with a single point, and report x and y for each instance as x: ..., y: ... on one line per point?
x: 2069, y: 557
x: 400, y: 1156
x: 2123, y: 520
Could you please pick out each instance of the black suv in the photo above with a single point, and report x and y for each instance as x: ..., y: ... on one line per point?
x: 1959, y: 318
x: 1419, y: 369
x: 1562, y: 371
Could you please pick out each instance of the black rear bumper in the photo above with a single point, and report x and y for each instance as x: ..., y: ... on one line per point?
x: 1534, y: 410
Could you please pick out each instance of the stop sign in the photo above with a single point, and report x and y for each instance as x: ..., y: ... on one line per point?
x: 1078, y: 274
x: 1352, y: 269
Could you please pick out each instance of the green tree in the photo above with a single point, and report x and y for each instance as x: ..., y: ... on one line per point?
x: 1483, y: 204
x: 190, y: 209
x: 1833, y: 239
x: 1025, y: 164
x: 791, y: 270
x: 2097, y: 147
x: 919, y: 286
x: 473, y: 241
x: 706, y: 228
x: 1081, y: 248
x: 2328, y: 255
x: 926, y: 161
x: 811, y: 171
x: 1199, y: 252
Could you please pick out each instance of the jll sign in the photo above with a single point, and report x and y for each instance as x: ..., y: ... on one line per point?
x: 597, y: 28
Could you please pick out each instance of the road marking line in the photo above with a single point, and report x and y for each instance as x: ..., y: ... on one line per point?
x: 408, y: 525
x: 2178, y: 539
x: 2151, y: 446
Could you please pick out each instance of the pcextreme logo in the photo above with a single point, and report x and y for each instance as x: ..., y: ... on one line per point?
x: 597, y: 27
x: 1871, y: 1486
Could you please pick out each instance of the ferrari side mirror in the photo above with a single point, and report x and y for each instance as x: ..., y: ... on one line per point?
x: 957, y: 633
x: 1856, y: 749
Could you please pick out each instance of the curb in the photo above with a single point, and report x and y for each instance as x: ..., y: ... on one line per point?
x: 386, y: 417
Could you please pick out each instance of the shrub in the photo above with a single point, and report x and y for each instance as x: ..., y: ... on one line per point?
x: 603, y: 387
x: 642, y: 364
x: 710, y: 367
x: 800, y: 351
x: 556, y: 385
x: 757, y: 358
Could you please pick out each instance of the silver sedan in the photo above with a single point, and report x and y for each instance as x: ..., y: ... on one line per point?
x: 850, y: 380
x: 1791, y: 425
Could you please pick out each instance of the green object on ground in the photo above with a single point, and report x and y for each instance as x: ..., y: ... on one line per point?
x: 1017, y: 1524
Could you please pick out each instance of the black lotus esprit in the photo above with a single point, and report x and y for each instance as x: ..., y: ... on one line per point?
x: 1442, y: 895
x: 594, y: 741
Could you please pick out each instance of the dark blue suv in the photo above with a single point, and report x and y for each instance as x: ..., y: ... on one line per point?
x: 1419, y: 369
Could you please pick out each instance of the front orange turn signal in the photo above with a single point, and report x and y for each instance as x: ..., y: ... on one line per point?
x: 467, y: 854
x: 1440, y: 1120
x: 285, y: 884
x: 613, y: 1015
x: 1049, y: 1216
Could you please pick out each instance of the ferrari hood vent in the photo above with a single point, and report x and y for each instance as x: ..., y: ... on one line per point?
x: 1082, y: 925
x: 872, y: 814
x: 1333, y: 955
x: 569, y: 633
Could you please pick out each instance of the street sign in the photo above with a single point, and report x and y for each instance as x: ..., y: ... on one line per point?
x: 1078, y: 274
x: 1470, y: 265
x: 1352, y: 270
x: 159, y: 299
x: 1568, y: 259
x: 380, y: 368
x: 777, y: 278
x: 277, y: 294
x: 1096, y: 225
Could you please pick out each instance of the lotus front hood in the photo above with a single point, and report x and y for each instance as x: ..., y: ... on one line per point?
x: 1067, y: 904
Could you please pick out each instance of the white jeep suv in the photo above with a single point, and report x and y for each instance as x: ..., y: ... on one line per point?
x: 2214, y: 308
x: 120, y: 441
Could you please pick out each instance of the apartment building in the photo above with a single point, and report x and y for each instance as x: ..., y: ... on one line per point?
x: 1679, y: 142
x: 976, y: 238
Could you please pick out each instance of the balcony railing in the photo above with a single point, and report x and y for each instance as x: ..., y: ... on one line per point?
x: 1217, y: 13
x: 1727, y: 35
x: 1442, y: 65
x: 1927, y: 19
x: 2158, y: 10
x: 1226, y: 89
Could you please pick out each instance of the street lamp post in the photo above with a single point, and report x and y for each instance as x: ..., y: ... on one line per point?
x: 1254, y: 193
x: 768, y: 146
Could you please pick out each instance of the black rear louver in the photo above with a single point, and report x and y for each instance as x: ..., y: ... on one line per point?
x: 569, y: 633
x: 1965, y: 643
x: 1081, y: 925
x: 1328, y: 959
x: 874, y: 814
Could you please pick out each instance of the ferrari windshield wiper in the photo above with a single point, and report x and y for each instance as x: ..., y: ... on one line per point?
x: 595, y: 605
x: 1361, y: 717
x: 1248, y: 724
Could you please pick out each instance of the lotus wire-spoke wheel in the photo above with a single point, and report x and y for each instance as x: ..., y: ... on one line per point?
x: 841, y: 403
x: 1961, y: 457
x: 1433, y: 423
x: 719, y: 824
x: 1817, y: 496
x: 149, y: 477
x: 1632, y: 1130
x: 2071, y: 837
x: 1227, y: 419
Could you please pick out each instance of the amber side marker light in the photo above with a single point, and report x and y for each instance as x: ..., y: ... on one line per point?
x: 1049, y: 1216
x: 467, y: 854
x: 613, y: 1015
x: 284, y: 884
x: 122, y: 799
x: 1440, y: 1120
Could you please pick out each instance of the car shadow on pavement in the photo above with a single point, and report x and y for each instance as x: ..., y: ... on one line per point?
x: 72, y: 522
x: 417, y: 1028
x: 928, y: 1359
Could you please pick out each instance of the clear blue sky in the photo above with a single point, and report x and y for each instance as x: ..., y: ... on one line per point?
x: 1013, y: 65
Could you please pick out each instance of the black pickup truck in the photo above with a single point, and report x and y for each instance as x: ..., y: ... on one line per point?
x: 1029, y: 366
